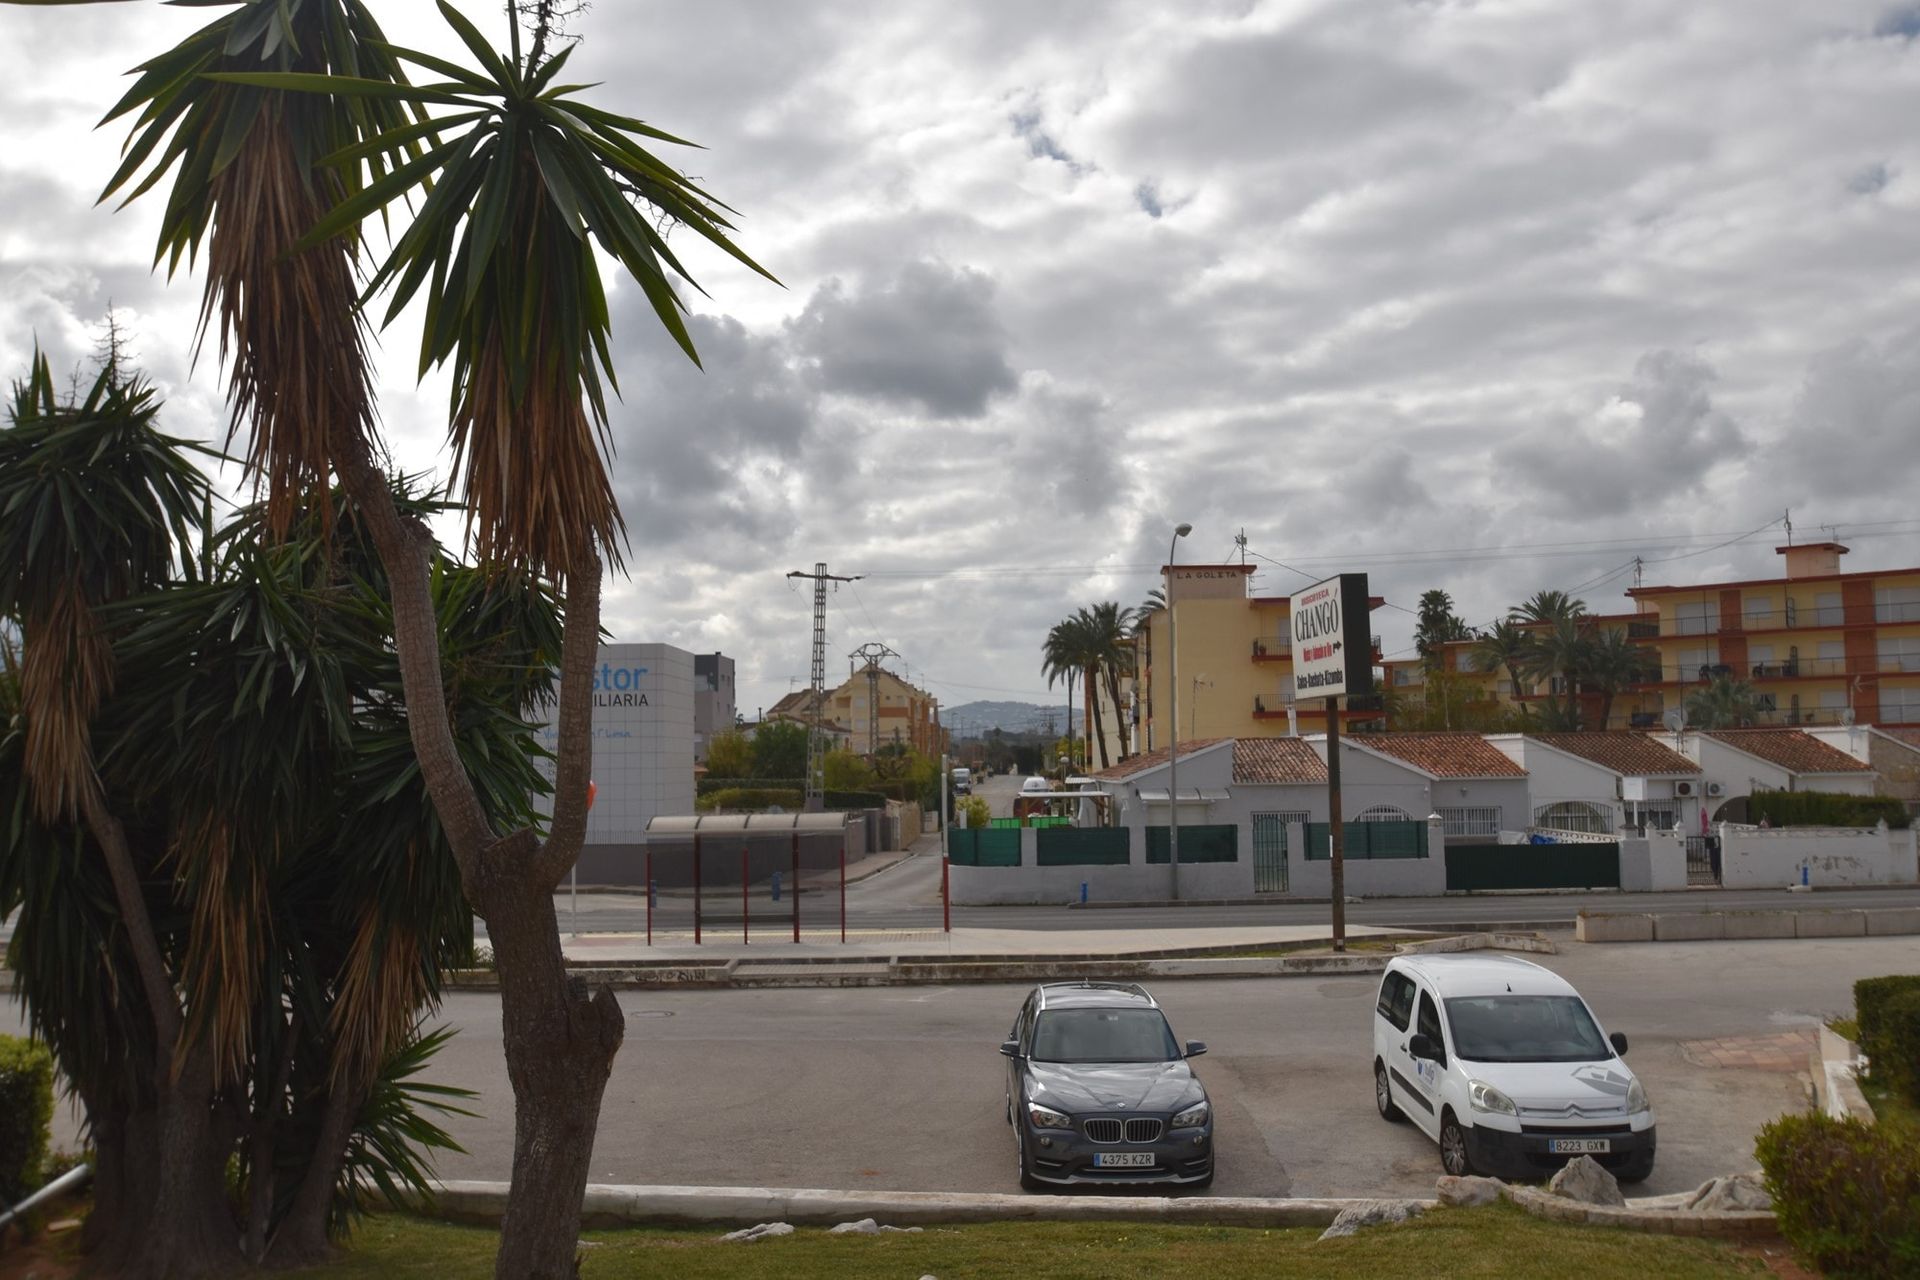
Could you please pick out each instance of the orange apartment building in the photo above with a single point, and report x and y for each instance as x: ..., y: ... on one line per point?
x: 1820, y: 646
x: 1236, y: 664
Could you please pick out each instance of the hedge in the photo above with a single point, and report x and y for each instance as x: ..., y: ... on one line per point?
x: 26, y: 1115
x: 1846, y: 1194
x: 854, y: 800
x: 1893, y: 1049
x: 1873, y: 1010
x: 1818, y: 809
x: 750, y: 798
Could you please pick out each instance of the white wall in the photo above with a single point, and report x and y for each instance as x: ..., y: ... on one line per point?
x: 642, y: 739
x: 1654, y: 863
x: 1366, y: 877
x: 1752, y: 858
x: 1368, y: 780
x: 1554, y: 777
x: 1138, y: 881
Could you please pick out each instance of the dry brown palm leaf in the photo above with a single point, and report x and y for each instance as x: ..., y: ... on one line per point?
x: 229, y: 936
x: 66, y: 671
x: 382, y: 985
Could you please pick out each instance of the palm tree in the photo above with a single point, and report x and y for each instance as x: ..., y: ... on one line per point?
x: 1562, y: 649
x: 518, y: 185
x: 1548, y: 606
x: 1503, y: 647
x: 1614, y: 663
x: 1725, y: 703
x: 1113, y: 628
x: 1438, y: 624
x: 1063, y: 656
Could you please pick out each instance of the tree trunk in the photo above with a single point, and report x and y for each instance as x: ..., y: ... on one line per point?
x: 1112, y: 677
x: 1097, y: 728
x: 302, y: 1238
x: 560, y: 1042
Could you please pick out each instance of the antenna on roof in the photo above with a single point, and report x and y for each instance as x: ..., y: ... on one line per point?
x: 1788, y: 518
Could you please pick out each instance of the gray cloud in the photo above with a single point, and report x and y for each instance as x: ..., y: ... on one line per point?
x: 928, y: 338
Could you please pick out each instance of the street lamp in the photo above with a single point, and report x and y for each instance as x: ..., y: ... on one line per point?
x: 1173, y: 734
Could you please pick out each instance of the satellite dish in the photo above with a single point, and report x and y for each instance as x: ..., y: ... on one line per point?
x: 1676, y: 720
x: 1846, y: 717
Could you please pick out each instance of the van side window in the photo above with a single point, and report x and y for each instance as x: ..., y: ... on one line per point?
x: 1396, y: 1000
x: 1429, y: 1026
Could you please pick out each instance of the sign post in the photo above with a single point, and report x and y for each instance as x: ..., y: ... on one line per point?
x: 1328, y: 663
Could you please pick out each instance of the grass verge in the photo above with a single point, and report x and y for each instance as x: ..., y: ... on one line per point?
x: 1497, y: 1242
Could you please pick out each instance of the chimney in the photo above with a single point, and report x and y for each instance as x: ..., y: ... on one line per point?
x: 1813, y: 559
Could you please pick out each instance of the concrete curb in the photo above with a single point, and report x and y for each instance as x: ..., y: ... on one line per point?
x: 625, y: 1206
x: 1638, y: 1216
x: 1723, y: 926
x: 886, y: 971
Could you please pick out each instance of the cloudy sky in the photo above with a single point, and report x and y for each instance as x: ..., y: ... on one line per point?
x: 1491, y: 295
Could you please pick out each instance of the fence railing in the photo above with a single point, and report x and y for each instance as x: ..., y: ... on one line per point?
x: 1367, y: 841
x: 1201, y: 843
x: 1083, y: 847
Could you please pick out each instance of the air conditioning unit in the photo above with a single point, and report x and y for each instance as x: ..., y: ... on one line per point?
x: 1683, y: 788
x: 1715, y: 789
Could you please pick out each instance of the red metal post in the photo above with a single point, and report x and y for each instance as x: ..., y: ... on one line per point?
x: 796, y: 886
x: 696, y: 889
x: 843, y: 888
x: 649, y: 895
x: 746, y: 906
x: 946, y: 903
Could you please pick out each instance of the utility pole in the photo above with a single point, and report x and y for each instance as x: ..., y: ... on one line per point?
x: 870, y: 655
x: 816, y: 745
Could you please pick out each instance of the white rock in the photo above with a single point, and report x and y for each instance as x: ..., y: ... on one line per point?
x: 864, y: 1227
x: 1467, y: 1192
x: 1737, y: 1192
x: 1584, y: 1180
x: 765, y: 1231
x: 904, y: 1230
x: 1370, y: 1213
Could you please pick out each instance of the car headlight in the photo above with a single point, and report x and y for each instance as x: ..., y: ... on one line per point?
x: 1192, y: 1118
x: 1485, y: 1097
x: 1047, y: 1117
x: 1637, y: 1098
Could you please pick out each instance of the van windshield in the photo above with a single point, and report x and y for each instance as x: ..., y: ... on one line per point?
x: 1103, y: 1035
x: 1525, y: 1029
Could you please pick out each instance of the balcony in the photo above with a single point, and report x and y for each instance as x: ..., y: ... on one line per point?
x: 1272, y: 651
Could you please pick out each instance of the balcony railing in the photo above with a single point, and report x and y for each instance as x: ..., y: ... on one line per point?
x: 1790, y: 669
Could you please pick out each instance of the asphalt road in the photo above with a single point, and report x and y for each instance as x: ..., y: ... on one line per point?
x: 901, y: 1088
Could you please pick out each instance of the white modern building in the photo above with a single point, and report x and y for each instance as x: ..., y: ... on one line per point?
x: 643, y: 745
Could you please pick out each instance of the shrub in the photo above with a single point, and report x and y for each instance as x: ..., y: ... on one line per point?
x: 1846, y: 1194
x: 26, y: 1115
x: 1871, y: 997
x: 854, y: 800
x: 750, y: 798
x: 1894, y: 1058
x: 1818, y: 809
x: 974, y: 811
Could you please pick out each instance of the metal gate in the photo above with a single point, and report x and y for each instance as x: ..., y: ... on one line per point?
x: 1702, y: 864
x: 1270, y: 850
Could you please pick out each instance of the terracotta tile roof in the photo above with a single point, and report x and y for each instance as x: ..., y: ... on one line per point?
x: 1444, y: 755
x: 1790, y: 749
x: 1632, y: 754
x: 1153, y: 759
x: 1276, y: 760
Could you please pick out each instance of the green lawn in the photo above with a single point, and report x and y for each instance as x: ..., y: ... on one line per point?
x: 1499, y: 1241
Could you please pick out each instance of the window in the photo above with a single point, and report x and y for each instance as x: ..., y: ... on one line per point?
x: 1103, y: 1035
x: 1757, y: 611
x: 1659, y: 818
x: 1508, y: 1028
x: 1760, y: 654
x: 1896, y: 604
x: 1900, y: 653
x: 1384, y: 813
x: 1463, y: 661
x: 1481, y: 820
x: 1899, y: 704
x: 1693, y: 661
x: 1827, y: 609
x: 1428, y: 1025
x: 1396, y: 1000
x: 1574, y: 815
x: 1696, y: 618
x: 1833, y: 699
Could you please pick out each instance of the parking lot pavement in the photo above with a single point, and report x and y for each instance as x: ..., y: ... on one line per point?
x: 901, y: 1088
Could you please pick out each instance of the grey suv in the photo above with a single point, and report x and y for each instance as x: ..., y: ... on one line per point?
x: 1099, y: 1091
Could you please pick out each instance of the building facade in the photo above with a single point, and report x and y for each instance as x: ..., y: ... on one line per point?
x: 713, y: 708
x: 643, y: 740
x: 876, y: 708
x: 1819, y: 646
x: 1235, y: 663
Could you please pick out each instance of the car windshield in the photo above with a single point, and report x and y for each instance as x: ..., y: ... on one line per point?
x: 1525, y: 1029
x: 1103, y: 1035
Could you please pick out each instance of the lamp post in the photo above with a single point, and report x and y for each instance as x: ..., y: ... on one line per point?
x: 1173, y: 734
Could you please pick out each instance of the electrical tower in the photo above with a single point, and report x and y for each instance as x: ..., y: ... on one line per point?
x: 870, y: 655
x: 816, y: 744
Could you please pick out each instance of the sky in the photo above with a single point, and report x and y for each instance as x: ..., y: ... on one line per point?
x: 1485, y: 295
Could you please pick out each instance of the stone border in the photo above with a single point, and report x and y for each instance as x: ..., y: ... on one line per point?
x: 1718, y: 926
x: 1640, y: 1215
x: 616, y: 1206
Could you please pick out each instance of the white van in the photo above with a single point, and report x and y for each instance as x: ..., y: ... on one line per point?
x: 1503, y: 1064
x: 963, y: 782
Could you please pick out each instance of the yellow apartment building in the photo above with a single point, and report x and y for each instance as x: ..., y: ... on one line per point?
x: 1635, y: 708
x: 1235, y: 668
x: 876, y: 708
x: 1819, y: 645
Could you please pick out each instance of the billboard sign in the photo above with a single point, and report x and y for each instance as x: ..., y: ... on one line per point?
x: 1332, y: 648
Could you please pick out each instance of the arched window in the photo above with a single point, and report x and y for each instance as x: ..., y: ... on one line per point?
x: 1573, y: 815
x: 1384, y: 813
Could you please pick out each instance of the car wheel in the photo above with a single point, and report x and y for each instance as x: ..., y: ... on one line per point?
x: 1453, y: 1147
x: 1383, y: 1096
x: 1027, y: 1181
x: 1204, y: 1183
x: 1637, y: 1169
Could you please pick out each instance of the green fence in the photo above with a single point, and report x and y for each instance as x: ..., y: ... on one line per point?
x: 1369, y: 841
x: 1197, y: 844
x: 983, y: 847
x: 1085, y: 846
x: 1533, y: 866
x: 1038, y: 823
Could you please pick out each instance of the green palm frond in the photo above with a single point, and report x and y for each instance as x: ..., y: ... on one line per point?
x: 518, y: 184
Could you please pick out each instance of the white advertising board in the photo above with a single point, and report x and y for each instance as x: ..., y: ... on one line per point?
x: 1332, y: 650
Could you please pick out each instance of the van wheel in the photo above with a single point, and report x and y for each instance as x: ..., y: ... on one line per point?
x: 1453, y: 1147
x: 1383, y: 1096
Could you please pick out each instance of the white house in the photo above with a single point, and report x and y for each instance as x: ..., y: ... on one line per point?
x: 1602, y: 782
x: 1740, y: 762
x: 1476, y: 789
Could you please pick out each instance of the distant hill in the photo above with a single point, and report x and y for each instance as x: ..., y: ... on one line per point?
x: 977, y: 719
